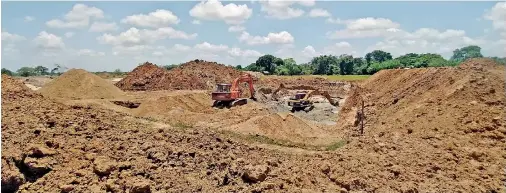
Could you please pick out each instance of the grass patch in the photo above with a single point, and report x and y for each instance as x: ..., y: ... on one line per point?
x: 284, y: 143
x: 181, y: 125
x: 347, y: 77
x: 336, y: 145
x: 329, y: 77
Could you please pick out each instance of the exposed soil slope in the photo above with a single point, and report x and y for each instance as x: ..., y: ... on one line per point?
x: 434, y: 129
x: 80, y: 84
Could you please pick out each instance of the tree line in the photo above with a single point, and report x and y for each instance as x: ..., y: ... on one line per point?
x: 369, y: 64
x: 321, y: 65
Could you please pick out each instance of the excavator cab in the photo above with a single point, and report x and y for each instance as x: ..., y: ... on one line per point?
x: 223, y: 87
x: 299, y: 96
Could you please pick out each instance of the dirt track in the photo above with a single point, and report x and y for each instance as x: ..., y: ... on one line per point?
x: 429, y: 130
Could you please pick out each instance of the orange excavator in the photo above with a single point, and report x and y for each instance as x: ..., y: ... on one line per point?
x: 228, y: 95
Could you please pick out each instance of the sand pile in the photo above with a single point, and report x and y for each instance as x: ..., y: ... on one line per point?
x: 197, y: 102
x: 193, y: 75
x: 80, y: 84
x: 433, y: 129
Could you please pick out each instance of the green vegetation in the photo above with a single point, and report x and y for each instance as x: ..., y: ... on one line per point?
x: 336, y: 145
x: 34, y: 71
x: 345, y: 65
x: 334, y: 67
x: 284, y: 143
x: 181, y: 125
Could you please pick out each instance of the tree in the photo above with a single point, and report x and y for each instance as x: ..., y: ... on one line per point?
x: 26, y: 71
x: 289, y: 67
x: 325, y: 64
x: 359, y: 66
x: 238, y: 67
x: 254, y: 67
x: 117, y: 72
x: 6, y: 71
x: 269, y: 62
x: 459, y: 55
x: 378, y: 56
x: 170, y: 67
x: 57, y: 69
x: 345, y: 64
x: 41, y: 70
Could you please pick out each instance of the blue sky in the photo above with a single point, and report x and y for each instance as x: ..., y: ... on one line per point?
x: 100, y: 36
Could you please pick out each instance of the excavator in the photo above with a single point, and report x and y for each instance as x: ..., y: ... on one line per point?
x: 301, y: 100
x: 228, y: 95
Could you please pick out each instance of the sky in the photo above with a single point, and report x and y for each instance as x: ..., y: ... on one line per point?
x: 104, y: 36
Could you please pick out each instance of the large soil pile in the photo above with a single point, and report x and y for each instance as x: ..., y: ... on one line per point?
x: 433, y: 129
x: 51, y: 147
x: 193, y: 75
x: 80, y: 84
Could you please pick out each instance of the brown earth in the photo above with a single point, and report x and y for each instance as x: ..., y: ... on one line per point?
x: 51, y: 147
x: 426, y: 130
x: 433, y: 129
x: 80, y: 84
x: 193, y: 75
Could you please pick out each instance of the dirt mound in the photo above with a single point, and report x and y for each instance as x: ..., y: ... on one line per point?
x: 80, y: 84
x: 432, y: 129
x: 193, y: 75
x: 478, y: 63
x: 145, y: 77
x: 198, y: 103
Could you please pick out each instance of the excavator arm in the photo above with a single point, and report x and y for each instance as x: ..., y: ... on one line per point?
x: 324, y: 94
x: 236, y: 92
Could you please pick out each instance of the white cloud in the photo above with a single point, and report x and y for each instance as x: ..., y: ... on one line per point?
x: 157, y: 19
x: 497, y: 15
x: 237, y: 52
x: 69, y: 34
x: 364, y: 28
x: 6, y: 36
x: 88, y: 52
x: 309, y: 52
x: 272, y: 38
x: 180, y: 47
x: 78, y: 17
x: 426, y: 40
x: 214, y: 10
x: 196, y: 22
x: 339, y: 48
x: 205, y: 46
x: 49, y: 41
x: 317, y: 12
x: 29, y: 18
x: 282, y: 9
x: 103, y: 27
x: 236, y: 28
x: 134, y: 36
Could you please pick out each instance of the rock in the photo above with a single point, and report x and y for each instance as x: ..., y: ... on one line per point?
x: 142, y: 186
x: 103, y: 166
x: 473, y: 102
x: 326, y: 169
x: 40, y: 166
x: 40, y: 151
x: 255, y: 173
x: 67, y: 188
